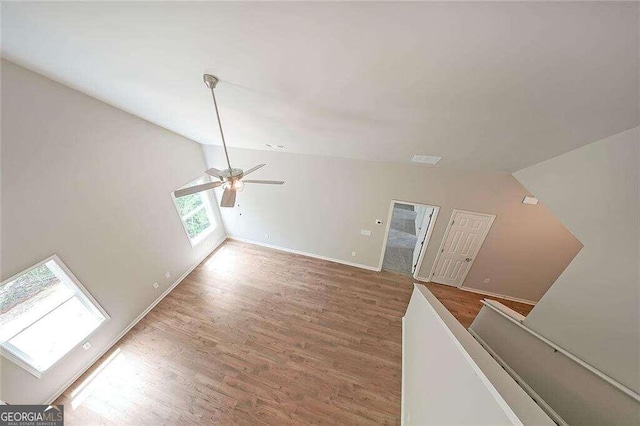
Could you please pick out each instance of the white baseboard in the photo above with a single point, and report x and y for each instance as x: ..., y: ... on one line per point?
x: 134, y: 322
x: 502, y: 296
x: 486, y: 293
x: 304, y: 253
x: 528, y: 389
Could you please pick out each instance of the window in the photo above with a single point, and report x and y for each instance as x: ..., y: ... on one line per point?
x: 44, y: 313
x: 196, y: 213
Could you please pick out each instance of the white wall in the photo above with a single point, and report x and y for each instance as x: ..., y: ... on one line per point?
x: 593, y: 308
x: 326, y: 201
x: 92, y: 184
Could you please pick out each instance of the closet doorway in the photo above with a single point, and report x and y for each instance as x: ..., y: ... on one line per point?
x: 409, y: 228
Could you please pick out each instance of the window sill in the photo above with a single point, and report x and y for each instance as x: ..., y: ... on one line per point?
x: 8, y: 354
x: 202, y: 236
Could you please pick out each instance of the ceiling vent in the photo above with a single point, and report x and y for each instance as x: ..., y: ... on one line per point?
x: 426, y: 159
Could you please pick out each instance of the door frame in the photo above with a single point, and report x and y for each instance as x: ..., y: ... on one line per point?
x: 492, y: 218
x: 427, y: 237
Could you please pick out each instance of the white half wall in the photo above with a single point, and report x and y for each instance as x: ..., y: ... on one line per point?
x: 326, y: 201
x: 593, y: 310
x: 92, y: 184
x: 449, y: 379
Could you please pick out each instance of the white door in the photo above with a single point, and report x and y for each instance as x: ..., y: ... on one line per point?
x: 462, y: 242
x: 423, y: 222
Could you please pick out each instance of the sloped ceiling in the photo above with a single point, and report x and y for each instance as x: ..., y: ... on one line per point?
x: 487, y: 86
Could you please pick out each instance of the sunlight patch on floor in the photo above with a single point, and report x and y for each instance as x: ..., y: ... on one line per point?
x: 222, y: 260
x: 113, y: 370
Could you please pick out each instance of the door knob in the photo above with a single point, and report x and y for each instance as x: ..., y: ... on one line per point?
x: 468, y: 259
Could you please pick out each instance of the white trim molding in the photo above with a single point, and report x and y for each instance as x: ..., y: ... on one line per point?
x: 207, y: 204
x: 64, y: 274
x: 134, y: 322
x: 427, y: 237
x: 501, y: 296
x: 304, y: 253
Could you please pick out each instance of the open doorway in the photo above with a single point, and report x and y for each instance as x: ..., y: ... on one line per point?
x: 408, y: 231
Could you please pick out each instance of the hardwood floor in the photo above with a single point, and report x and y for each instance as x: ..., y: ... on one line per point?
x: 255, y: 336
x: 465, y: 305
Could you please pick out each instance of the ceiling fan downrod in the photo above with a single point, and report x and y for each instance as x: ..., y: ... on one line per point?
x: 212, y: 81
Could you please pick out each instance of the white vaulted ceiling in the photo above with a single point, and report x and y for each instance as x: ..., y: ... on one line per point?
x: 489, y: 86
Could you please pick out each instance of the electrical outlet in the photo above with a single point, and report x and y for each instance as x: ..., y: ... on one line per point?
x: 266, y: 236
x: 155, y: 285
x: 353, y: 253
x: 365, y: 232
x: 167, y: 274
x: 86, y: 346
x: 487, y: 280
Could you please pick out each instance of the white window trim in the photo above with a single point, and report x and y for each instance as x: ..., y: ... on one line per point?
x: 21, y: 359
x: 205, y: 205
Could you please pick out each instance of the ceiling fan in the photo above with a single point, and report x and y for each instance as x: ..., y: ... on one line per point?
x: 232, y: 180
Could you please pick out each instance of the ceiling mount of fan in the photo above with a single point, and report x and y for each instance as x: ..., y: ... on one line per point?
x: 210, y: 80
x: 230, y: 179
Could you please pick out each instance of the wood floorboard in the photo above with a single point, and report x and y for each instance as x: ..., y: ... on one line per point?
x: 259, y: 336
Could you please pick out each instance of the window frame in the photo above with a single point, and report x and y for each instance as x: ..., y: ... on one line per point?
x: 207, y: 205
x: 23, y: 360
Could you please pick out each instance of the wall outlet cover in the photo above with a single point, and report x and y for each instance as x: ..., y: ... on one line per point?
x: 487, y: 280
x: 155, y: 285
x: 86, y: 346
x: 365, y: 232
x: 353, y: 253
x: 167, y: 274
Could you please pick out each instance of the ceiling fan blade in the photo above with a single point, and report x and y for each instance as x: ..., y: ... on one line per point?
x: 253, y: 169
x: 214, y: 172
x: 269, y: 182
x: 228, y: 198
x: 196, y: 188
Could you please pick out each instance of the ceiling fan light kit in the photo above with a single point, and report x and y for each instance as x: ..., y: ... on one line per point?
x: 230, y: 179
